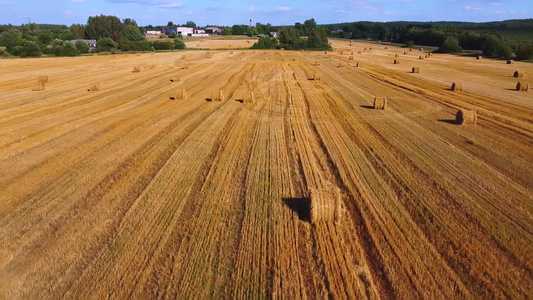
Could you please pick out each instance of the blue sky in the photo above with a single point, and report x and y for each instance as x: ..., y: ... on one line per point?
x: 276, y: 12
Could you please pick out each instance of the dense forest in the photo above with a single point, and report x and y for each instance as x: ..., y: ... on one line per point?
x: 505, y: 39
x: 495, y: 39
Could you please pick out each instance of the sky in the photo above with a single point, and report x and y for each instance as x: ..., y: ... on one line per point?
x: 276, y: 12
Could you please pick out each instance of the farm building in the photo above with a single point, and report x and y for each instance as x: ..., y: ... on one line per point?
x: 213, y: 30
x: 178, y: 30
x: 261, y: 35
x: 153, y: 32
x: 273, y: 34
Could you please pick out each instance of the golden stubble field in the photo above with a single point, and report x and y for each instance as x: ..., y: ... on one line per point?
x: 123, y: 193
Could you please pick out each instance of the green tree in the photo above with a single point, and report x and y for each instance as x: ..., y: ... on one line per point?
x: 290, y: 39
x: 78, y: 31
x: 69, y: 49
x: 99, y: 27
x: 173, y: 35
x: 65, y: 35
x: 525, y: 51
x: 129, y: 21
x: 450, y: 44
x: 266, y: 43
x: 31, y: 48
x: 179, y: 44
x: 190, y: 24
x: 226, y: 31
x: 46, y: 36
x: 492, y: 46
x: 11, y: 38
x: 239, y: 29
x: 83, y: 47
x: 132, y: 33
x: 106, y: 44
x: 318, y: 39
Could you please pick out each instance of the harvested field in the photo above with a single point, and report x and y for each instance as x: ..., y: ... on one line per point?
x: 220, y: 44
x: 124, y: 194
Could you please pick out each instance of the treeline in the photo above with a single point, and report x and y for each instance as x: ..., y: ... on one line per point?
x: 290, y: 38
x: 111, y: 34
x: 495, y: 39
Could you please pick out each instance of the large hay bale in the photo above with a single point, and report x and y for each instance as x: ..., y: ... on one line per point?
x: 350, y: 57
x: 421, y: 57
x: 358, y: 65
x: 396, y: 61
x: 479, y: 57
x: 380, y: 103
x: 317, y: 63
x: 457, y: 86
x: 39, y: 86
x: 396, y: 55
x: 522, y: 86
x: 351, y: 52
x: 339, y: 66
x: 325, y: 205
x: 43, y: 78
x: 364, y: 48
x: 136, y: 69
x: 405, y: 53
x: 218, y: 95
x: 465, y: 117
x: 386, y: 48
x: 185, y: 67
x: 358, y: 52
x: 415, y: 70
x: 94, y: 87
x: 518, y: 74
x: 181, y: 94
x: 315, y: 77
x: 510, y: 62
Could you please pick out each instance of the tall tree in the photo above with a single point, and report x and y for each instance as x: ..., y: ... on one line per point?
x: 78, y: 31
x: 11, y: 38
x: 104, y: 27
x: 190, y: 24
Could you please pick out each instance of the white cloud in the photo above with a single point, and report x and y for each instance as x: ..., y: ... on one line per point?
x: 171, y: 5
x: 284, y: 8
x: 68, y: 12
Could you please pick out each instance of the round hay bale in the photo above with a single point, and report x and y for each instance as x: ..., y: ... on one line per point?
x: 350, y: 57
x: 317, y: 63
x: 426, y: 56
x: 466, y: 117
x: 351, y: 52
x: 518, y: 74
x: 479, y: 57
x: 522, y: 86
x: 181, y: 94
x: 415, y: 70
x: 510, y: 62
x: 396, y: 55
x: 405, y: 53
x: 396, y: 61
x: 410, y: 49
x: 457, y: 86
x: 358, y: 52
x: 380, y: 103
x: 43, y: 78
x: 370, y: 48
x: 386, y: 48
x: 358, y: 65
x: 94, y: 87
x: 325, y: 205
x: 364, y: 48
x: 339, y: 66
x: 316, y: 76
x: 136, y: 69
x: 421, y: 57
x: 39, y: 86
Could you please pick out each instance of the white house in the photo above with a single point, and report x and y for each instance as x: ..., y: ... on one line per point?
x: 153, y: 32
